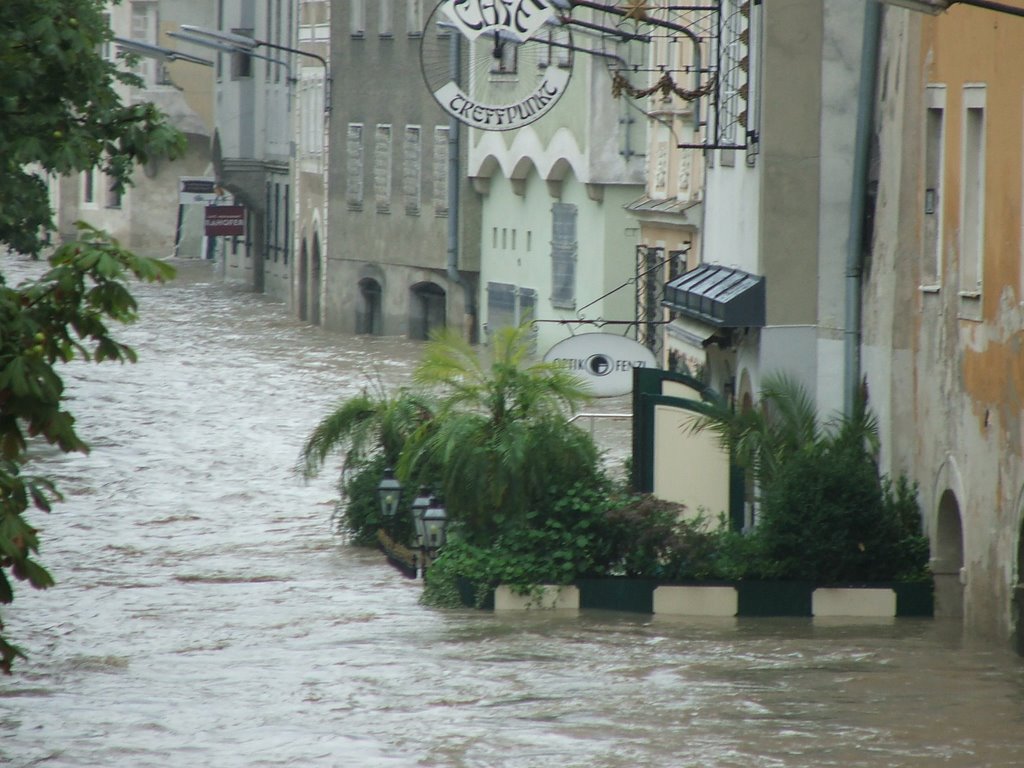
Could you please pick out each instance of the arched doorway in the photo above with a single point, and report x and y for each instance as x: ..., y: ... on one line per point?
x: 369, y: 314
x: 948, y: 558
x: 302, y: 300
x: 427, y: 310
x: 314, y: 282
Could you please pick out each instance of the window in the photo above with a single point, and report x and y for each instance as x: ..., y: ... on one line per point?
x: 384, y: 21
x: 113, y: 194
x: 357, y: 18
x: 414, y: 17
x: 286, y: 242
x: 556, y: 53
x: 934, y: 146
x: 972, y: 193
x: 89, y: 186
x: 563, y: 255
x: 143, y: 27
x: 411, y: 175
x: 508, y: 305
x: 354, y: 166
x: 311, y: 116
x: 732, y: 65
x: 382, y: 168
x: 241, y: 63
x: 440, y: 171
x: 505, y: 57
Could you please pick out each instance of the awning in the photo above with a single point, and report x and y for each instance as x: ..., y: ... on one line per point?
x: 718, y: 295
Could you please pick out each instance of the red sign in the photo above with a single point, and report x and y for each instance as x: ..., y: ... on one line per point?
x: 225, y: 220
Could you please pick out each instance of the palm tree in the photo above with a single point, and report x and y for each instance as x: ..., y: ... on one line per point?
x: 365, y: 426
x: 500, y: 436
x: 761, y: 439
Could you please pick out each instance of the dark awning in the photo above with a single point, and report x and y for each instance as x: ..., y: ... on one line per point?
x: 721, y: 296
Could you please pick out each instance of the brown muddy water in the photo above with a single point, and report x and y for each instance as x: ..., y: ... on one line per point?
x: 206, y: 615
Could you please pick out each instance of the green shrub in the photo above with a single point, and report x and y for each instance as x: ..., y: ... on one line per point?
x: 829, y: 518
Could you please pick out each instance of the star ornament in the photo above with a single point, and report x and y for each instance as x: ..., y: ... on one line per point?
x: 635, y: 9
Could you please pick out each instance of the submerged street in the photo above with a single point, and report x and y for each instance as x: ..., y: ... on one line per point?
x: 206, y: 613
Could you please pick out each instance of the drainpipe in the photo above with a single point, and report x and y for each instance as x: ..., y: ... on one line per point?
x: 862, y: 150
x: 453, y: 202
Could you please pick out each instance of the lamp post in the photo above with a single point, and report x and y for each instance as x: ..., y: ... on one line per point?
x: 419, y: 506
x: 246, y: 44
x: 389, y: 494
x: 158, y: 52
x: 435, y: 525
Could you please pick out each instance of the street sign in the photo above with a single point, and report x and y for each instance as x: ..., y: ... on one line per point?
x: 196, y: 189
x: 603, y: 360
x: 225, y: 220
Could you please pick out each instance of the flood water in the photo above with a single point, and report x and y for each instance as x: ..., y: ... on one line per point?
x: 206, y: 614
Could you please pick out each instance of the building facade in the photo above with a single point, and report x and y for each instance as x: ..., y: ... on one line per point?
x: 403, y: 259
x: 312, y: 159
x: 943, y: 291
x: 148, y: 216
x: 777, y: 205
x: 557, y: 243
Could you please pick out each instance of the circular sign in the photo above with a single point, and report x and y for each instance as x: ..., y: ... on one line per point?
x: 602, y: 360
x: 515, y: 55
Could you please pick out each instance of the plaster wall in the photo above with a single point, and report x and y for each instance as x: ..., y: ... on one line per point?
x: 377, y: 83
x: 516, y: 250
x: 964, y: 350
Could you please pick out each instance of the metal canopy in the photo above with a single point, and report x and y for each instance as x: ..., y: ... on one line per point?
x: 720, y: 296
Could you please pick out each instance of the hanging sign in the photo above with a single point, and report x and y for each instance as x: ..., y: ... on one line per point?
x: 196, y: 189
x: 224, y: 220
x: 524, y: 69
x: 603, y: 360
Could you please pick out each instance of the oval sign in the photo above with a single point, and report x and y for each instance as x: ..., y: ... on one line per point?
x: 603, y: 360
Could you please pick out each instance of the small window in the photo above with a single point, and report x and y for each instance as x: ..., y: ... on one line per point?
x: 382, y: 168
x: 414, y: 18
x: 934, y: 149
x: 88, y: 186
x: 411, y: 173
x: 504, y: 57
x: 440, y: 171
x: 357, y: 18
x: 354, y: 166
x: 563, y: 255
x: 113, y: 193
x: 972, y: 192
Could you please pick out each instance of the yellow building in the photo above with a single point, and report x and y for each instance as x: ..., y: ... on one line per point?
x: 943, y: 302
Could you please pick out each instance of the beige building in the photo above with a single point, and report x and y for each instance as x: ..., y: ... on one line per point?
x: 944, y: 296
x: 148, y: 216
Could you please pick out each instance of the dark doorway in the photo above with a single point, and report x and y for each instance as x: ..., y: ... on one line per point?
x: 427, y: 310
x: 314, y: 282
x: 302, y: 300
x: 948, y: 562
x: 369, y: 314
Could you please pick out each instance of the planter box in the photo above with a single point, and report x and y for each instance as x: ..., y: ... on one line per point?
x: 696, y: 600
x: 744, y: 598
x: 865, y: 602
x: 547, y: 597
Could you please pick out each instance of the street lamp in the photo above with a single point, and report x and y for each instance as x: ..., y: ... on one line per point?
x: 935, y: 7
x: 158, y: 52
x: 419, y: 506
x: 237, y: 43
x: 389, y: 494
x: 435, y: 525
